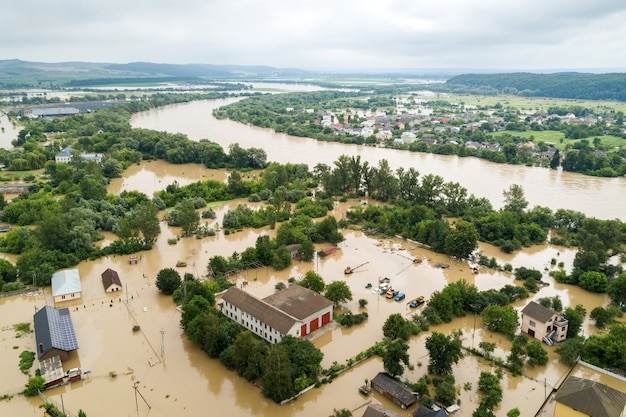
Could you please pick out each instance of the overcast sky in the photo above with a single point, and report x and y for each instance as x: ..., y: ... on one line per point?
x: 322, y: 34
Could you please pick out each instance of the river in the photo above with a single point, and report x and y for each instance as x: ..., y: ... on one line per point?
x: 603, y: 198
x: 174, y: 378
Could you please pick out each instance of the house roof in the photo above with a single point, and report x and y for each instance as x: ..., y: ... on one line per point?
x: 394, y: 387
x: 427, y: 412
x: 377, y: 410
x: 591, y: 397
x: 260, y: 309
x: 66, y: 282
x: 65, y: 152
x: 298, y: 301
x: 538, y: 312
x: 110, y: 277
x: 54, y: 330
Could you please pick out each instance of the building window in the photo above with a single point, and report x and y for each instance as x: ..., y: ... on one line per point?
x: 532, y: 323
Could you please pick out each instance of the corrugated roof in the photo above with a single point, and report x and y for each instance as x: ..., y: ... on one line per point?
x: 66, y: 282
x: 260, y: 309
x: 110, y: 277
x: 298, y: 301
x: 538, y: 312
x: 377, y: 410
x: 591, y: 397
x: 54, y: 330
x: 394, y: 387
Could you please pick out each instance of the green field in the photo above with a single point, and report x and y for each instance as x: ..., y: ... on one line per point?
x: 558, y: 138
x: 530, y: 103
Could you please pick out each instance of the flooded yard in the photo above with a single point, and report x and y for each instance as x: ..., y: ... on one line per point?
x: 157, y: 372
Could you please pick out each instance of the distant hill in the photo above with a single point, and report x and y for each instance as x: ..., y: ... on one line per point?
x: 15, y: 73
x: 572, y: 85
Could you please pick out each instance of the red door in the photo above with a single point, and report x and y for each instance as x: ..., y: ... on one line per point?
x: 325, y: 319
x: 303, y: 330
x: 314, y: 325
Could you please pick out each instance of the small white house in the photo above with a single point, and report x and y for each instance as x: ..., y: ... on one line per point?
x: 66, y: 285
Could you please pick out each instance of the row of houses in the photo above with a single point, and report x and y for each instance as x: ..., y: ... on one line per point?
x: 575, y: 397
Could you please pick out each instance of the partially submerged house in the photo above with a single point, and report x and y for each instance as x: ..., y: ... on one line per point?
x: 543, y: 323
x: 54, y: 333
x: 427, y: 412
x: 584, y: 397
x: 111, y: 281
x: 66, y: 285
x: 295, y: 311
x: 377, y: 410
x: 394, y: 389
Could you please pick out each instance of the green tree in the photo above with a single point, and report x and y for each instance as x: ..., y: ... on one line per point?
x: 168, y: 280
x: 462, y: 239
x: 344, y: 412
x: 537, y: 355
x: 575, y: 317
x: 445, y: 391
x: 249, y: 355
x: 556, y: 160
x: 604, y: 316
x: 444, y: 351
x: 514, y: 199
x: 397, y: 327
x: 304, y: 357
x: 394, y: 356
x: 513, y: 412
x: 570, y: 349
x: 277, y: 383
x: 593, y: 281
x: 34, y: 386
x: 193, y: 308
x: 617, y: 290
x: 338, y: 292
x: 503, y: 319
x: 187, y: 217
x: 145, y: 216
x: 313, y: 281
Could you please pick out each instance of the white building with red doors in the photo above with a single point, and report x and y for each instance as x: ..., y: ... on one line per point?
x: 295, y: 311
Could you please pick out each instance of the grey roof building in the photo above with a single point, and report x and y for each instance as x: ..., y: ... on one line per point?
x: 393, y: 389
x: 54, y: 333
x: 590, y: 398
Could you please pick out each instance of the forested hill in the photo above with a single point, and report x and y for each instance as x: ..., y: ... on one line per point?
x: 559, y: 85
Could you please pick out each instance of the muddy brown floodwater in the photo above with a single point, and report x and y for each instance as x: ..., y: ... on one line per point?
x: 159, y: 373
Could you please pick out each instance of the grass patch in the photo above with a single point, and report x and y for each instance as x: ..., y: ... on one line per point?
x: 26, y: 361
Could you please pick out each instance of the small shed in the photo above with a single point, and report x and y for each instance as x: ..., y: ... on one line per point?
x: 393, y: 389
x: 66, y: 285
x: 111, y: 281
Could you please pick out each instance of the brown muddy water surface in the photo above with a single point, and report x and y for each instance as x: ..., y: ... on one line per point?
x: 175, y: 378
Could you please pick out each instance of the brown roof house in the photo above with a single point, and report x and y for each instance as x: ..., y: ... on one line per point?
x: 543, y: 323
x: 111, y: 281
x: 295, y: 311
x: 584, y: 397
x: 393, y: 389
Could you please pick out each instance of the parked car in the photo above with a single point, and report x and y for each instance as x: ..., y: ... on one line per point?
x: 400, y: 297
x: 417, y: 302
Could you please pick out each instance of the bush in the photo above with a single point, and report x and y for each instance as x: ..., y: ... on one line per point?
x: 136, y: 328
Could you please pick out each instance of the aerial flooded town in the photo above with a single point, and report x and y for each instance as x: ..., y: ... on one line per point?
x: 423, y: 218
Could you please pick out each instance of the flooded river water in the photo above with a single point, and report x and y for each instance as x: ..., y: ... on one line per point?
x: 159, y: 373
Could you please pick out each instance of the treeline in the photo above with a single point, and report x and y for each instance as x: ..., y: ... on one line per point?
x: 560, y: 85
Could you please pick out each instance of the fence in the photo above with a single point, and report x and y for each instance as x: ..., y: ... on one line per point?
x: 30, y: 291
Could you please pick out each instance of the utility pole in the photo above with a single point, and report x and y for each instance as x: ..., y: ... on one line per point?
x: 162, y: 342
